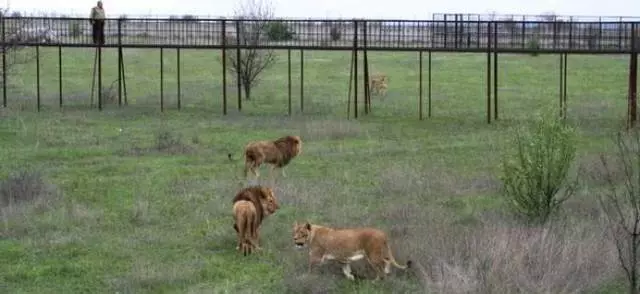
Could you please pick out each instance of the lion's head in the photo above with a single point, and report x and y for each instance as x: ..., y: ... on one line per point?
x: 268, y: 200
x: 301, y: 233
x: 290, y: 147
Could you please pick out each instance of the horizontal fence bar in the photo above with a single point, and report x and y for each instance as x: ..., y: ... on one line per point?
x: 453, y: 35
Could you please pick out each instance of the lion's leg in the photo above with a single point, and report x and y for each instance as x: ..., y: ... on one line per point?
x: 377, y: 267
x: 256, y: 239
x: 346, y: 269
x: 313, y: 259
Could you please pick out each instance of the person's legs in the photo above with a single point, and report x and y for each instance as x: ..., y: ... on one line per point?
x: 101, y: 32
x: 95, y: 31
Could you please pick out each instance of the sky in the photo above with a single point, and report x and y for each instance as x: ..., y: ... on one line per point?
x: 380, y: 9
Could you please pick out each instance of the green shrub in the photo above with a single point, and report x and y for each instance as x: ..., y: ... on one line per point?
x: 535, y: 175
x: 278, y: 31
x: 74, y: 29
x: 534, y: 44
x: 335, y: 33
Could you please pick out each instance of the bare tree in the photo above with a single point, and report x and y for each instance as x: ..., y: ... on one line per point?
x: 12, y: 52
x: 621, y: 204
x: 251, y: 31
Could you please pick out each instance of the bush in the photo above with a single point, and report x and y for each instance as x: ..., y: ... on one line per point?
x: 279, y: 31
x: 537, y: 171
x: 23, y: 187
x: 335, y: 33
x: 74, y: 29
x: 534, y: 44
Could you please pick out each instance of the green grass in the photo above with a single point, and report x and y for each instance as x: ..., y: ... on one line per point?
x: 134, y: 218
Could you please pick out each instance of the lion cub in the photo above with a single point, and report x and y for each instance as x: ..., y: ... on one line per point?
x: 345, y: 246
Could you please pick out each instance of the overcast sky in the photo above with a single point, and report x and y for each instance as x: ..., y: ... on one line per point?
x: 398, y: 9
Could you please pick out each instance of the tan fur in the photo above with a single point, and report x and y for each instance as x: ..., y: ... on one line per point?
x: 379, y: 84
x: 250, y: 206
x: 345, y: 246
x: 278, y: 153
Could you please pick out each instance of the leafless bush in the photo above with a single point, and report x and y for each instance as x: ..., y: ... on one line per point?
x: 23, y: 187
x: 330, y: 129
x: 169, y: 142
x: 14, y: 34
x: 621, y: 204
x: 252, y: 61
x: 21, y: 195
x: 496, y: 257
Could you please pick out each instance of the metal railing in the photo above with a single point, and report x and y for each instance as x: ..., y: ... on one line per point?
x: 392, y: 35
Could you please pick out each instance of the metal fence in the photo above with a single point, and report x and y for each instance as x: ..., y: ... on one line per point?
x: 357, y: 35
x: 604, y: 37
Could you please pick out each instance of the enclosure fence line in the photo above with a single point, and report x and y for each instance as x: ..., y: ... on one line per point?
x: 493, y: 37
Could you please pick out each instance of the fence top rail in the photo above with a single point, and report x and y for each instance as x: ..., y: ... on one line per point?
x: 323, y: 20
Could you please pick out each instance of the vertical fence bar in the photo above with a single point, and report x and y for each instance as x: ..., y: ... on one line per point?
x: 161, y: 79
x: 488, y: 72
x: 289, y: 80
x: 120, y: 69
x: 564, y: 84
x: 355, y: 69
x: 429, y: 85
x: 561, y: 85
x: 420, y: 85
x: 633, y: 77
x: 238, y: 65
x: 495, y: 71
x: 224, y: 68
x: 60, y: 76
x: 178, y: 79
x: 365, y: 76
x: 4, y: 65
x: 38, y: 76
x: 301, y: 80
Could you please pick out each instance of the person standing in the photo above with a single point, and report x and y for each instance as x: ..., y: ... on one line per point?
x: 97, y: 18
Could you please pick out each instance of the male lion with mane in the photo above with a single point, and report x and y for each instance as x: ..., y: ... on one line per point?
x: 278, y: 153
x: 345, y: 246
x: 250, y: 206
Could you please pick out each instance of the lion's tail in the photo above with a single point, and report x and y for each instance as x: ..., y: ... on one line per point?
x: 393, y: 260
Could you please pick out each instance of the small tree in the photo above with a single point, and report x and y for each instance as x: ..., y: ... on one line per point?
x: 621, y: 205
x: 253, y: 31
x: 536, y: 173
x: 14, y: 34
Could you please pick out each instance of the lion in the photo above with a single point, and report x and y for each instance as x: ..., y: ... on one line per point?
x: 345, y: 246
x: 278, y: 153
x: 250, y: 206
x: 379, y: 83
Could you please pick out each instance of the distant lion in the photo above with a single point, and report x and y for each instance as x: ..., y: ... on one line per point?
x: 379, y: 83
x: 250, y: 206
x: 278, y: 153
x: 345, y: 246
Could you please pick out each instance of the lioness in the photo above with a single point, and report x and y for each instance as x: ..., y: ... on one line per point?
x: 345, y: 246
x: 379, y: 83
x: 278, y: 153
x: 250, y: 206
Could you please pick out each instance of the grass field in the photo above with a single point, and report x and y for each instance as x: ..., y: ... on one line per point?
x: 138, y: 201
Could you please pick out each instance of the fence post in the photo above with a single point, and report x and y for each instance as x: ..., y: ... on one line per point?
x: 633, y: 77
x: 119, y: 61
x: 238, y: 65
x: 4, y: 64
x: 223, y: 35
x: 355, y: 68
